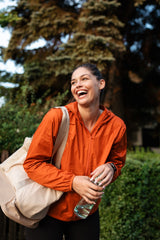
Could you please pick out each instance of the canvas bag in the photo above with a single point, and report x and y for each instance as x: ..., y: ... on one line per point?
x: 21, y: 199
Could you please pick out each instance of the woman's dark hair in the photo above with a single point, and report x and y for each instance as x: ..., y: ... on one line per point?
x: 92, y: 68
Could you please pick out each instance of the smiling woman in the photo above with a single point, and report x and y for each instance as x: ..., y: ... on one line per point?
x: 95, y: 150
x: 86, y: 86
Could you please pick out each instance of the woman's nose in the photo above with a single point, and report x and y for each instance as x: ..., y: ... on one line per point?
x: 79, y: 83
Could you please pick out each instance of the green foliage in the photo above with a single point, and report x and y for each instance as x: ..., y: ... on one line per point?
x: 20, y: 120
x: 7, y: 19
x: 17, y: 122
x: 96, y: 38
x: 130, y: 208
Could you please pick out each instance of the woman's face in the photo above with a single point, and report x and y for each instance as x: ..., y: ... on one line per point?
x: 85, y: 87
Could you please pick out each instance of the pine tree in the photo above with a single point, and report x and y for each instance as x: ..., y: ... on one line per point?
x: 50, y: 20
x: 96, y: 39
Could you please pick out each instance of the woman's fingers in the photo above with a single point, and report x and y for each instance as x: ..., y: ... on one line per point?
x: 103, y: 175
x: 107, y: 180
x: 87, y: 189
x: 92, y: 188
x: 91, y: 198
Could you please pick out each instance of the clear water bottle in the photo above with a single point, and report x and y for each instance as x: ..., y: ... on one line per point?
x: 83, y: 209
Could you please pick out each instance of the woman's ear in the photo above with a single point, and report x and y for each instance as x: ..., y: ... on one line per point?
x: 102, y: 84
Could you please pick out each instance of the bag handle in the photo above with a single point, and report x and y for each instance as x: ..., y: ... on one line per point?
x: 62, y: 136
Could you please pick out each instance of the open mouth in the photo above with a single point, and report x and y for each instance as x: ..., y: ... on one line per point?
x: 81, y: 93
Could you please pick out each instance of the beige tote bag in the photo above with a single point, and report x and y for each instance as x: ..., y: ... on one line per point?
x: 23, y: 200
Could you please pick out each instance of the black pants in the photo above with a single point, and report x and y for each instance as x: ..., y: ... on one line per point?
x: 52, y: 229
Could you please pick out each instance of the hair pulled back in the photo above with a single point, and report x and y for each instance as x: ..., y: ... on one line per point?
x: 92, y: 68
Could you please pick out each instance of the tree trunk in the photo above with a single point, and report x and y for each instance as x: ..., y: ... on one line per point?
x: 113, y: 97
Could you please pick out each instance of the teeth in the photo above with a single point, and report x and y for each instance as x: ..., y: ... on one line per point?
x: 81, y: 92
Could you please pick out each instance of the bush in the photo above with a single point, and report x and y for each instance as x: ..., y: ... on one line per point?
x: 20, y: 120
x: 130, y: 208
x: 17, y: 122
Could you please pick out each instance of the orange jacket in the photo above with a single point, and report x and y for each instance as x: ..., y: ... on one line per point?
x: 84, y: 152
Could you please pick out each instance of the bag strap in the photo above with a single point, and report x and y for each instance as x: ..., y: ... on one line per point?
x: 62, y: 136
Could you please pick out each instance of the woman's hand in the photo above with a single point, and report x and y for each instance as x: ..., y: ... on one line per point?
x: 86, y: 189
x: 103, y: 175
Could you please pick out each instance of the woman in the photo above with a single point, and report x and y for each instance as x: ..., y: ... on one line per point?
x: 96, y: 147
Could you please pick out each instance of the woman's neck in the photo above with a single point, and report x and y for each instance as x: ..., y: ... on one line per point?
x: 90, y: 115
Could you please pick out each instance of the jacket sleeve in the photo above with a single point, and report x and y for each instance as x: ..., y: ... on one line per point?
x: 118, y: 152
x: 37, y: 164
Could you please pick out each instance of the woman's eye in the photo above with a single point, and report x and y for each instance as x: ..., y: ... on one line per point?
x: 84, y: 79
x: 73, y: 82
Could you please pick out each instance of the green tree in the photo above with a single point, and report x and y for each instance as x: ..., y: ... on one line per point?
x: 52, y: 21
x: 96, y: 39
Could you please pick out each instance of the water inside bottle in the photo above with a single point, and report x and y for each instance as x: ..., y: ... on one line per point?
x: 83, y: 211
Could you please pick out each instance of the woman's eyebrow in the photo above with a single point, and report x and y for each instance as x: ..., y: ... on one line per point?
x: 81, y: 76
